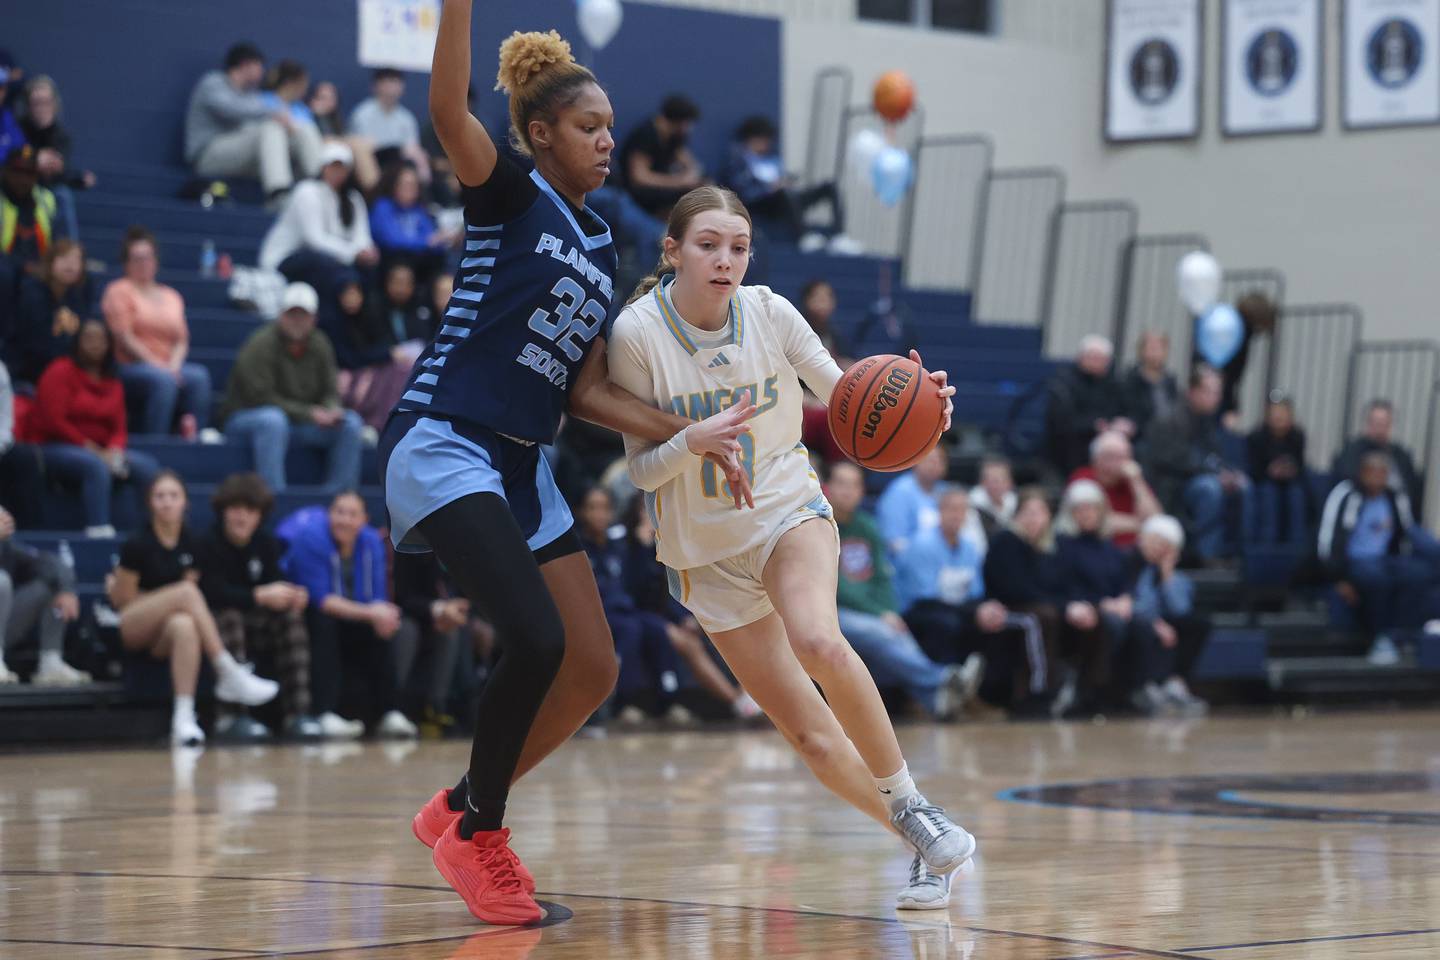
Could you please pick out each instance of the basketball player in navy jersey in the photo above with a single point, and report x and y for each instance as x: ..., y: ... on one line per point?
x: 520, y: 344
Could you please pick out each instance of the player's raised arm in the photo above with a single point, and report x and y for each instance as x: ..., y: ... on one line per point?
x: 469, y: 147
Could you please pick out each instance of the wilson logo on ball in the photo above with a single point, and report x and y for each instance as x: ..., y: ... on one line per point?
x: 888, y: 397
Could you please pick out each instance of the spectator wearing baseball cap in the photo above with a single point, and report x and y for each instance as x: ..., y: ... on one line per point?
x: 324, y: 230
x: 282, y: 392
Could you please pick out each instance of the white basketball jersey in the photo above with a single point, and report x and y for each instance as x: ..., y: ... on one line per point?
x: 765, y: 347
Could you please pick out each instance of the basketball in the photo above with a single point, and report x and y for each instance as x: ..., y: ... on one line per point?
x: 885, y: 413
x: 894, y: 95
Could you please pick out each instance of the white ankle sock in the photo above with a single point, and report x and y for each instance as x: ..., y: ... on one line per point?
x: 185, y: 707
x: 897, y: 788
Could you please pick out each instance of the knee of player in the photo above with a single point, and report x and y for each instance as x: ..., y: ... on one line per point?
x: 539, y: 642
x: 821, y: 650
x: 816, y: 747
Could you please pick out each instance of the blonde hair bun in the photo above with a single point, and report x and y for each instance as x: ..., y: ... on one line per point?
x: 524, y: 56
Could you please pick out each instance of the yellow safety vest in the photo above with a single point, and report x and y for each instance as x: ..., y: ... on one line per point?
x: 44, y: 215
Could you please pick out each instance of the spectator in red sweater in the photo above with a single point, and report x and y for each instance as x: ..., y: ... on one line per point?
x: 79, y: 417
x: 1131, y: 500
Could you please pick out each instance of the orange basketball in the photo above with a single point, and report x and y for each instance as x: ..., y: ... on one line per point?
x: 885, y: 413
x: 894, y: 95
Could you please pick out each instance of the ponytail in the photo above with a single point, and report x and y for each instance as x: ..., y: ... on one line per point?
x: 651, y: 282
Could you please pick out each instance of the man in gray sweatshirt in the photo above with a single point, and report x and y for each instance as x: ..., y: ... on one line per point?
x: 230, y: 131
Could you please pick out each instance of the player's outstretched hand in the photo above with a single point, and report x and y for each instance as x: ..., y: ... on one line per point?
x: 718, y: 433
x: 738, y: 478
x: 942, y: 380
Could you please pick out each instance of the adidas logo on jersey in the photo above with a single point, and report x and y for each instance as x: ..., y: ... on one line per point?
x: 720, y: 361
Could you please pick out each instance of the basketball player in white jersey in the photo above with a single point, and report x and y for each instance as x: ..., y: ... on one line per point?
x: 763, y: 582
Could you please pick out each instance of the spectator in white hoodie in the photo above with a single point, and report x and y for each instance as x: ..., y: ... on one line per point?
x: 324, y: 230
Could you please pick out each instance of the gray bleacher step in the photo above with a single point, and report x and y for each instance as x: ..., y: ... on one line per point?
x: 1347, y: 675
x: 25, y: 696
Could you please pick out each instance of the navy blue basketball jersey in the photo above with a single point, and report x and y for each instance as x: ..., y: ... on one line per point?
x: 530, y: 297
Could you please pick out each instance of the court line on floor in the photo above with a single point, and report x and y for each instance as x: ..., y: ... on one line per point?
x: 1018, y: 934
x: 1332, y: 939
x: 117, y: 946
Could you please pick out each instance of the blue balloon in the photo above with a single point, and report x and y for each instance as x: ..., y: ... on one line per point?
x: 1218, y: 334
x: 891, y: 174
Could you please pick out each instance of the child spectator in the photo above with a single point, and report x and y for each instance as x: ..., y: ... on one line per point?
x: 36, y: 591
x: 163, y: 613
x: 52, y: 304
x: 256, y: 610
x: 152, y: 341
x: 339, y: 558
x: 1172, y: 637
x: 79, y: 420
x: 649, y: 664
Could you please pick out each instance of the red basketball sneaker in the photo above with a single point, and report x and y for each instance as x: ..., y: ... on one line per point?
x: 436, y: 817
x: 483, y: 870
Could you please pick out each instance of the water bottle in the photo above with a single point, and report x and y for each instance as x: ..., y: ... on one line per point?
x: 208, y: 259
x: 67, y: 557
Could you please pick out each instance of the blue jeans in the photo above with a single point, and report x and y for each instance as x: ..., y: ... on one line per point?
x: 74, y: 465
x: 271, y: 434
x: 649, y: 663
x: 1205, y: 508
x: 1393, y: 587
x: 1277, y: 513
x: 894, y: 658
x: 162, y: 396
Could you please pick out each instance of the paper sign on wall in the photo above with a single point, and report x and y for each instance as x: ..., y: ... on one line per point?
x: 398, y: 33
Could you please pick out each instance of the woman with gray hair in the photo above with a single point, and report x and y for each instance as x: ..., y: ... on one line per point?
x: 1099, y: 609
x: 1170, y: 635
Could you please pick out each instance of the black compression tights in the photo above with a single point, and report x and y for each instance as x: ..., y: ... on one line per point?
x: 485, y: 553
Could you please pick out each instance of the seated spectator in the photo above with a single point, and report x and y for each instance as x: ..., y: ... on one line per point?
x: 324, y: 230
x: 52, y: 143
x: 1023, y: 572
x: 389, y: 124
x: 376, y: 344
x: 756, y: 173
x: 649, y: 664
x: 282, y: 392
x: 1131, y: 500
x: 995, y: 496
x: 817, y: 305
x: 231, y: 132
x: 1377, y: 434
x: 1165, y: 612
x: 1082, y: 402
x: 339, y: 559
x: 22, y: 484
x: 869, y: 611
x: 1259, y: 314
x: 427, y: 599
x: 910, y: 505
x: 324, y: 104
x: 442, y: 288
x: 648, y: 582
x: 941, y: 587
x: 403, y: 229
x: 11, y: 136
x: 152, y: 341
x: 1150, y: 390
x: 257, y: 611
x: 29, y: 221
x: 1189, y: 468
x: 1099, y: 608
x: 79, y: 422
x: 52, y: 303
x: 1280, y: 488
x: 36, y: 591
x: 163, y: 612
x: 1380, y: 559
x: 283, y: 91
x: 886, y: 326
x: 655, y: 160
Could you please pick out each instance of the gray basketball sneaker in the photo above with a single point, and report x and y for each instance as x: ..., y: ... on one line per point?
x: 941, y: 843
x: 927, y: 889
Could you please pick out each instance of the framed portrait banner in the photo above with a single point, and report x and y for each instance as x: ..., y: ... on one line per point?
x: 1390, y: 74
x: 1272, y: 73
x: 1153, y: 57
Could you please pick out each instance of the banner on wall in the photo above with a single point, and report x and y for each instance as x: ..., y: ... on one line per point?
x: 1153, y: 57
x: 1390, y: 72
x: 1271, y: 74
x: 398, y: 33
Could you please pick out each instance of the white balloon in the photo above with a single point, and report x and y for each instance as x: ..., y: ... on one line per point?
x: 1199, y: 281
x: 865, y: 146
x: 599, y: 21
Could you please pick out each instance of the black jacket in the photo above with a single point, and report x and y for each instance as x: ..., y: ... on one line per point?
x: 1337, y: 523
x: 1179, y: 449
x: 230, y: 574
x: 1093, y: 569
x: 1139, y: 395
x: 1264, y: 448
x: 33, y: 342
x: 1404, y: 476
x: 1018, y: 575
x: 1074, y: 401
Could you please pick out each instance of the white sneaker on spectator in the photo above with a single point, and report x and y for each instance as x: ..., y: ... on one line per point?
x: 1383, y: 653
x: 1150, y: 701
x: 54, y: 672
x: 369, y: 436
x: 845, y: 246
x: 102, y: 531
x: 210, y: 436
x: 237, y: 728
x: 745, y: 707
x: 397, y: 726
x: 812, y: 242
x: 7, y: 676
x: 631, y: 716
x: 950, y: 695
x: 678, y: 716
x: 185, y: 731
x: 238, y: 685
x: 335, y: 727
x: 1177, y: 691
x: 1432, y: 628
